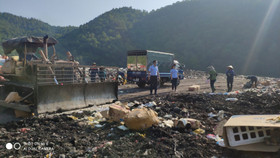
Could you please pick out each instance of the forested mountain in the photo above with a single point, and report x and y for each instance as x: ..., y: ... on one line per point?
x: 15, y: 26
x: 216, y: 32
x: 244, y: 33
x: 104, y: 39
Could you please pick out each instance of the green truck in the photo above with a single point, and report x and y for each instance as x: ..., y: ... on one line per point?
x: 139, y: 61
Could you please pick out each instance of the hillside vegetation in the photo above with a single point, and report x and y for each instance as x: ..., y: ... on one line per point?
x: 243, y: 33
x: 12, y: 26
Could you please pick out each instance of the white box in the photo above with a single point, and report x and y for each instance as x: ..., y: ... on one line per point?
x: 247, y: 132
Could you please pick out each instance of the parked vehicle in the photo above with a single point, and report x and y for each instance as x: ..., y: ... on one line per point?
x: 139, y: 61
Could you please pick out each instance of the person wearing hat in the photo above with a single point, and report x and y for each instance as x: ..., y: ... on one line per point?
x: 213, y: 75
x: 153, y: 76
x: 230, y: 76
x: 93, y: 71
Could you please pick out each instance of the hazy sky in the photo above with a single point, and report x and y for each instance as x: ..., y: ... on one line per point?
x: 73, y: 12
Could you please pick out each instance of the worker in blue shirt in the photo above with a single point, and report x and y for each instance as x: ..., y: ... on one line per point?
x: 253, y: 80
x: 174, y: 77
x: 153, y: 76
x: 230, y: 75
x: 102, y: 74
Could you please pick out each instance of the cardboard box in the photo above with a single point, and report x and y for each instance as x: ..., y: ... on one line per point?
x: 117, y: 112
x: 266, y: 83
x: 9, y: 67
x: 139, y: 119
x: 193, y: 123
x: 22, y: 114
x: 194, y: 88
x: 248, y: 132
x: 12, y: 97
x: 105, y: 114
x: 278, y: 83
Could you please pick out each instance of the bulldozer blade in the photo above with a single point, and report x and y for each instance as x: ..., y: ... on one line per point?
x: 100, y: 93
x: 51, y: 98
x: 7, y: 115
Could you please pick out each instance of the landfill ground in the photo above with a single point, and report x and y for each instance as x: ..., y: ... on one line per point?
x: 72, y: 134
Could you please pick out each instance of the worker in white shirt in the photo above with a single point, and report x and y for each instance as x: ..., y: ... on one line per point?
x: 153, y: 76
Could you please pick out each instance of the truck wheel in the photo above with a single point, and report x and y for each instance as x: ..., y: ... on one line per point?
x: 141, y: 84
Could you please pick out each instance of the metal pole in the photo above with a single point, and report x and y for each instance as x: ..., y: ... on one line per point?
x: 136, y: 62
x: 54, y: 54
x: 46, y: 46
x: 84, y: 74
x: 25, y: 52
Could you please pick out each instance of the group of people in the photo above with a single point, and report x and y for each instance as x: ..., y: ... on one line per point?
x: 213, y: 75
x: 154, y: 77
x: 94, y: 71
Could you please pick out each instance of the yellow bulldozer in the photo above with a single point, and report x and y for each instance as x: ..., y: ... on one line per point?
x: 47, y: 84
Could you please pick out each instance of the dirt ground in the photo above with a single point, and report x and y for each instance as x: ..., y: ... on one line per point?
x: 133, y: 91
x: 69, y: 135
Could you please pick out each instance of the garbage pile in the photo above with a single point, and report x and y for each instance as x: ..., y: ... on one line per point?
x: 195, y: 74
x: 172, y: 125
x: 266, y: 86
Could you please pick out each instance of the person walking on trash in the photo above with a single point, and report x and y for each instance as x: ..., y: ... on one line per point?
x: 153, y: 77
x: 213, y: 75
x: 174, y: 77
x: 230, y: 75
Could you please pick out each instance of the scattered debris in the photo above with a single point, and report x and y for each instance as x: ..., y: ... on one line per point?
x: 212, y: 115
x: 232, y: 99
x: 22, y: 114
x: 221, y: 143
x: 221, y: 115
x: 266, y: 83
x: 168, y: 123
x: 194, y: 88
x: 117, y: 112
x: 73, y: 117
x: 274, y: 120
x: 77, y: 138
x: 105, y: 114
x: 13, y: 97
x: 150, y: 104
x: 139, y: 119
x: 98, y: 125
x: 189, y: 122
x: 168, y: 116
x: 24, y: 130
x: 199, y: 131
x: 218, y: 129
x: 142, y: 135
x: 122, y: 127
